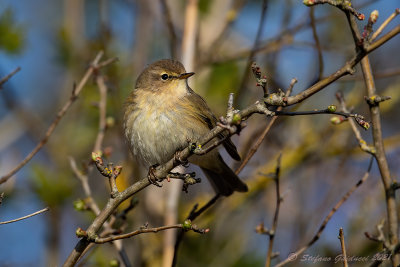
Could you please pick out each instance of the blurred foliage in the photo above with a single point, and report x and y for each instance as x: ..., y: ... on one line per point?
x: 204, y: 6
x: 223, y: 79
x: 12, y: 35
x: 53, y: 187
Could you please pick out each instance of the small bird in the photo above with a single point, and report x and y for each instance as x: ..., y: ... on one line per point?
x: 163, y: 115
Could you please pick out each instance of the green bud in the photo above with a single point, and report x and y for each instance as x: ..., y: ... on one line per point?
x: 187, y: 225
x: 308, y: 2
x: 80, y: 232
x: 110, y: 121
x: 332, y: 108
x: 336, y: 120
x: 374, y: 16
x: 114, y: 263
x: 365, y: 125
x: 96, y: 155
x: 236, y: 119
x: 79, y: 205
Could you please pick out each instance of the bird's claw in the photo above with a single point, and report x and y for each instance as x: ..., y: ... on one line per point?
x: 179, y: 161
x: 151, y: 176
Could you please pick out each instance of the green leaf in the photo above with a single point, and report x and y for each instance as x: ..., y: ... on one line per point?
x: 11, y: 34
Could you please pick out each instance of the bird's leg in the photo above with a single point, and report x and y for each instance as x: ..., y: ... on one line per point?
x: 179, y: 161
x: 152, y: 176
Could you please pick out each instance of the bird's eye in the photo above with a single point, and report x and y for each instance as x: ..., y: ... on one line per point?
x: 164, y: 76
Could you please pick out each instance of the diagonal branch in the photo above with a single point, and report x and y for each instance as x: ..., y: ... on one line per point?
x: 26, y: 217
x: 315, y: 238
x: 6, y: 78
x: 59, y: 116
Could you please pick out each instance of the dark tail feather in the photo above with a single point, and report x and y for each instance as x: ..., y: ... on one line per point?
x: 225, y: 181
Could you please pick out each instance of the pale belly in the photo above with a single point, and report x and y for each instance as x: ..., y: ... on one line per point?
x: 155, y: 137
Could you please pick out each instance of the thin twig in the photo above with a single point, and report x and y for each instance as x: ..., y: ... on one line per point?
x: 171, y: 28
x: 384, y: 39
x: 230, y: 19
x: 6, y: 78
x: 85, y: 185
x: 145, y: 230
x: 259, y: 140
x: 384, y: 24
x: 276, y: 214
x: 96, y: 210
x: 346, y: 69
x: 381, y: 235
x: 327, y: 218
x: 252, y: 54
x: 319, y: 111
x: 59, y: 116
x: 317, y: 44
x: 343, y: 5
x: 361, y: 142
x: 102, y: 113
x: 282, y: 38
x: 26, y: 217
x: 106, y: 62
x: 194, y: 213
x: 378, y: 75
x: 344, y: 254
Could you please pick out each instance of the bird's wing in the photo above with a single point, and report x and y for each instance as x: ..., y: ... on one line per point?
x: 206, y: 115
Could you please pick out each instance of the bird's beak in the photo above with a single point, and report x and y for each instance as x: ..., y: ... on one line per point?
x: 185, y: 75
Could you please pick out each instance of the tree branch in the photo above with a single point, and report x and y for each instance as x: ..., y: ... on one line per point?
x: 327, y: 218
x: 271, y: 233
x: 6, y: 78
x: 75, y: 92
x: 26, y: 217
x: 144, y: 230
x: 342, y: 245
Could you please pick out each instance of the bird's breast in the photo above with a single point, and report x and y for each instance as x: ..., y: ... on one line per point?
x: 157, y: 127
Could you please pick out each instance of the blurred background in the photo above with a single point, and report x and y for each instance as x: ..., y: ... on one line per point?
x: 55, y: 41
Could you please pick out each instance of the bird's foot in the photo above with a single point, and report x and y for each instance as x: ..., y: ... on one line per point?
x: 152, y: 176
x: 179, y: 161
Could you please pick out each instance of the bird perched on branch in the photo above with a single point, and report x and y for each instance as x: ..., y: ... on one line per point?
x: 163, y: 115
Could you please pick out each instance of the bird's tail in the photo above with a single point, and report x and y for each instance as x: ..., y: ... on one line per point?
x: 224, y: 180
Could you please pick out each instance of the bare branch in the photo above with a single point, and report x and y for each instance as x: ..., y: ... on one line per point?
x: 6, y: 78
x: 344, y: 254
x: 361, y: 142
x: 145, y: 230
x: 171, y: 29
x: 327, y: 218
x: 102, y: 113
x: 194, y: 213
x: 276, y: 214
x: 254, y: 49
x: 317, y: 44
x: 346, y: 69
x: 257, y: 144
x: 343, y: 5
x: 55, y: 122
x: 384, y: 24
x: 26, y: 217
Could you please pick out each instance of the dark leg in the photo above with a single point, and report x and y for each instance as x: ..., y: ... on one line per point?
x: 152, y: 177
x: 179, y: 161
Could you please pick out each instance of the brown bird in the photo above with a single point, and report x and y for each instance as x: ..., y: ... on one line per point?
x: 163, y: 114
